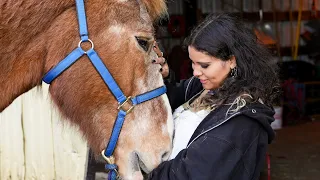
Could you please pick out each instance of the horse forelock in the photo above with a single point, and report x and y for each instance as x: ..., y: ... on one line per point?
x: 156, y: 8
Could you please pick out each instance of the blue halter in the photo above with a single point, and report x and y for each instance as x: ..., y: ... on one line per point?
x: 110, y: 82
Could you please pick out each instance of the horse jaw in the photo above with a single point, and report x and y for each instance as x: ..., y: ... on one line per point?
x: 144, y: 143
x: 144, y: 156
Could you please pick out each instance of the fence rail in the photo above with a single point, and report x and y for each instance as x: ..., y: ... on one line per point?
x: 35, y: 143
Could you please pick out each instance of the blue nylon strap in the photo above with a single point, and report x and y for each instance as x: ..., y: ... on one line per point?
x: 82, y: 20
x: 63, y: 65
x: 149, y: 95
x: 106, y: 76
x: 115, y: 133
x: 121, y: 117
x: 112, y: 175
x: 110, y: 166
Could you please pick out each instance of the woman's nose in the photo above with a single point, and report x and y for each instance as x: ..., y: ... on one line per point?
x: 196, y: 72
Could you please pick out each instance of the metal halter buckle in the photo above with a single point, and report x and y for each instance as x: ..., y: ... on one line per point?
x: 124, y: 102
x: 109, y: 160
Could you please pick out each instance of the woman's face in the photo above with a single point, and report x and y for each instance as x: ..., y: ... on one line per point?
x: 210, y: 70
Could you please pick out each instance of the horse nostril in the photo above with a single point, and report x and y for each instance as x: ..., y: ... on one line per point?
x: 165, y: 156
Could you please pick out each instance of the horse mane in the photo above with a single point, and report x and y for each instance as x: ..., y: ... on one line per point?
x: 156, y: 8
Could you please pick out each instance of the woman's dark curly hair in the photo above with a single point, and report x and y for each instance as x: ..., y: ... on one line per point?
x: 224, y: 36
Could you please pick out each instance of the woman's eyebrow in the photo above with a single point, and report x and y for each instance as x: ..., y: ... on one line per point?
x: 203, y: 62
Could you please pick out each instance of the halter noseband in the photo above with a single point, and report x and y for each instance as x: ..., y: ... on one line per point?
x: 109, y: 81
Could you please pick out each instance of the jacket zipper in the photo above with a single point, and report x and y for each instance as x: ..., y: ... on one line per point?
x: 212, y: 128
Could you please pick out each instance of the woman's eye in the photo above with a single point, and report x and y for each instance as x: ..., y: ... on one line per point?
x: 204, y: 66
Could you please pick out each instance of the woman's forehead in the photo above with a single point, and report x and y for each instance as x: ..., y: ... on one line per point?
x: 196, y: 55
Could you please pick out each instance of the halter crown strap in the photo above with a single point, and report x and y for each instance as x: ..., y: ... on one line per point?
x: 109, y: 81
x: 82, y: 20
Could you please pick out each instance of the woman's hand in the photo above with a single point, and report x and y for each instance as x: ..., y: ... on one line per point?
x: 161, y: 60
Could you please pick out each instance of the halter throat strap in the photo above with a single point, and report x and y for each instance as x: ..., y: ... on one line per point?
x: 93, y: 56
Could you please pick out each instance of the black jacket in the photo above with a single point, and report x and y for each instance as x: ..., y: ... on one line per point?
x: 231, y: 147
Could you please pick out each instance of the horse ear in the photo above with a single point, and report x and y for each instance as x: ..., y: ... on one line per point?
x: 156, y: 8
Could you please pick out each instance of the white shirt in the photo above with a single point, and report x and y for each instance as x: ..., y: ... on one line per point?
x: 185, y: 123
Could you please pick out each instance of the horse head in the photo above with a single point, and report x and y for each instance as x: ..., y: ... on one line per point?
x: 123, y: 36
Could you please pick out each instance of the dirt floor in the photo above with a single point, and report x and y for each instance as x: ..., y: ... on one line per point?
x: 295, y: 153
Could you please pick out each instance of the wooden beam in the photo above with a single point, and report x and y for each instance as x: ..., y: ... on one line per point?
x: 280, y: 16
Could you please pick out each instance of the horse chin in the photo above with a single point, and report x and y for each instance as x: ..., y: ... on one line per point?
x: 143, y: 168
x: 140, y: 170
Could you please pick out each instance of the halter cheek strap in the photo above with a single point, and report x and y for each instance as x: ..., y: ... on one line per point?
x: 109, y: 81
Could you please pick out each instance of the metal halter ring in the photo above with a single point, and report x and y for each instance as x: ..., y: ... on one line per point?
x: 89, y: 40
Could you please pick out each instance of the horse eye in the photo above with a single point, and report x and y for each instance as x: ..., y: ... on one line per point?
x: 143, y: 43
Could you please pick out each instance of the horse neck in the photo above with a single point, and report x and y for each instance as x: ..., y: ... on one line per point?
x: 23, y: 43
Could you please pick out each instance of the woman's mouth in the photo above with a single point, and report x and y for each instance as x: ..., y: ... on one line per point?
x: 203, y: 81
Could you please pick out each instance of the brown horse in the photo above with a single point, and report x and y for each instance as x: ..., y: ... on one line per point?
x: 36, y: 34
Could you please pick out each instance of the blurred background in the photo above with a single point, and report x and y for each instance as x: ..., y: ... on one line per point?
x: 290, y: 29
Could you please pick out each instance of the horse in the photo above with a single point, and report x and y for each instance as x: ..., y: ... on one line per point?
x: 35, y: 35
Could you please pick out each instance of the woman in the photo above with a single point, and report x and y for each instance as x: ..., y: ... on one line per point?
x: 222, y: 114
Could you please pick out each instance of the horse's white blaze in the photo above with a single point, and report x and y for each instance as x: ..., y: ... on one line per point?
x: 116, y: 30
x: 143, y: 116
x: 142, y: 119
x: 169, y: 127
x: 156, y: 80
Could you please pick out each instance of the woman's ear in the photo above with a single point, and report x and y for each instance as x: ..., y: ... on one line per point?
x: 233, y: 62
